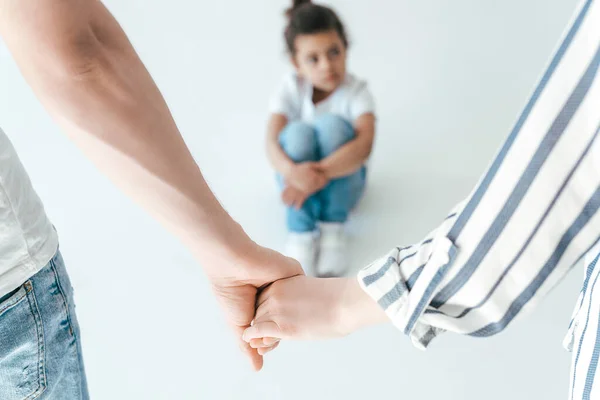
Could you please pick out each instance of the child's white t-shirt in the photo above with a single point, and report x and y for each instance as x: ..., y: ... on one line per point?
x: 294, y: 99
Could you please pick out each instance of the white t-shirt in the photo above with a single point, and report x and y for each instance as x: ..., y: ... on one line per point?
x: 294, y: 99
x: 28, y: 240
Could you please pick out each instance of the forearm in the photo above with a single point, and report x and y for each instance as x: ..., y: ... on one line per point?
x: 277, y: 157
x: 90, y: 79
x: 347, y: 159
x: 356, y: 309
x: 532, y: 216
x: 350, y: 157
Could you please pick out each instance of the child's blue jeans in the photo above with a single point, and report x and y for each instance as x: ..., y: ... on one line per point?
x: 303, y: 142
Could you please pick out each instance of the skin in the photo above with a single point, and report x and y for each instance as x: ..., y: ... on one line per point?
x: 304, y: 308
x: 83, y: 69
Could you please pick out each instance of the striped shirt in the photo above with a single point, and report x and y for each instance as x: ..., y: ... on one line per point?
x: 583, y: 338
x: 530, y: 219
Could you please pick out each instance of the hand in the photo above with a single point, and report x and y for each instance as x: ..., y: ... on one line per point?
x: 293, y: 197
x: 307, y: 177
x: 236, y: 289
x: 304, y: 308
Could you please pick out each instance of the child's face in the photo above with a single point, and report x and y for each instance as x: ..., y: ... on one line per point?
x: 321, y: 58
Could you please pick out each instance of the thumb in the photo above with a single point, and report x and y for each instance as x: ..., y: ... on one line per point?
x: 261, y: 330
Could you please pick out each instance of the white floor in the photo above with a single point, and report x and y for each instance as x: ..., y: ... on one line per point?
x: 449, y: 78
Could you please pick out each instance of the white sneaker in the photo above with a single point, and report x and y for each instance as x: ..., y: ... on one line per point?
x: 303, y: 248
x: 332, y: 257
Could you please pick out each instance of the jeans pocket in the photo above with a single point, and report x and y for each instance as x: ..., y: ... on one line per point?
x: 22, y: 369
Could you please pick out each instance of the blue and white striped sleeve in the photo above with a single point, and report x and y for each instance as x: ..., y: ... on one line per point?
x: 532, y: 216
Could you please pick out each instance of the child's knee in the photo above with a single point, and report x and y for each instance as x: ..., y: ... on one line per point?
x: 298, y: 141
x: 333, y: 132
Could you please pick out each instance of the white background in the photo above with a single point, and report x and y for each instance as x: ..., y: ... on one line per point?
x: 449, y: 77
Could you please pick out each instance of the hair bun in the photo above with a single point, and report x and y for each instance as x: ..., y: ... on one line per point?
x: 295, y: 5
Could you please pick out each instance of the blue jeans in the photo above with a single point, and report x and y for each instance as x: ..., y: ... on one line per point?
x: 303, y: 142
x: 40, y: 347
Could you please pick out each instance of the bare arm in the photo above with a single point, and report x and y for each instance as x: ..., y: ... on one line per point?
x: 304, y: 308
x: 83, y: 69
x: 531, y: 217
x: 279, y: 160
x: 86, y: 73
x: 350, y: 157
x: 304, y: 176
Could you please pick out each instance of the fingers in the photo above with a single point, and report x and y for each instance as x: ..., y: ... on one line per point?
x: 263, y: 342
x: 259, y: 330
x: 293, y: 197
x: 256, y: 343
x: 270, y: 341
x: 253, y: 355
x: 264, y: 350
x: 287, y: 197
x: 299, y: 201
x: 316, y: 183
x: 297, y: 196
x: 321, y: 181
x: 309, y: 177
x: 263, y: 345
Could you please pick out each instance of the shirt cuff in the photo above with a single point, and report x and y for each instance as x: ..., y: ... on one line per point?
x: 403, y: 299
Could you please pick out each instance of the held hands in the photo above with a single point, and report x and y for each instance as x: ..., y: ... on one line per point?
x: 304, y: 308
x: 307, y: 177
x: 303, y: 180
x: 236, y: 283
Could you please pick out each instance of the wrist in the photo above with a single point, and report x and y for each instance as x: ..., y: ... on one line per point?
x: 286, y: 170
x: 325, y: 168
x: 356, y: 309
x: 223, y: 250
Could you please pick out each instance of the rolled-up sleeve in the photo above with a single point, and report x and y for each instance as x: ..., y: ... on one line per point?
x: 532, y: 216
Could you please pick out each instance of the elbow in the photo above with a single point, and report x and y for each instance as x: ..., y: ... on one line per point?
x: 368, y: 151
x: 367, y: 148
x: 80, y: 58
